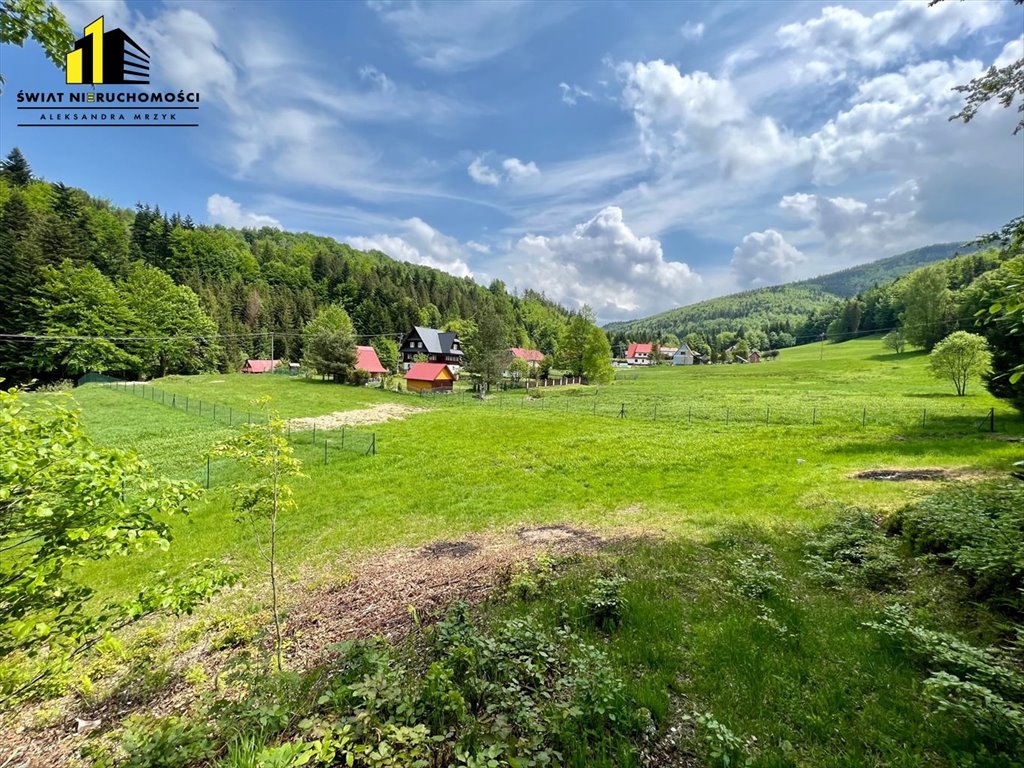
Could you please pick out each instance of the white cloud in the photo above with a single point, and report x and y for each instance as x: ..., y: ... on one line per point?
x: 841, y: 37
x: 452, y: 37
x: 692, y: 31
x: 223, y: 210
x: 517, y: 170
x: 765, y: 258
x: 420, y: 243
x: 605, y: 264
x: 693, y: 118
x: 1012, y: 51
x: 473, y: 245
x: 573, y: 93
x: 482, y: 173
x: 372, y: 75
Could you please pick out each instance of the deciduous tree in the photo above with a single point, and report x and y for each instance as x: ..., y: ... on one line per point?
x: 960, y: 357
x: 330, y: 347
x: 929, y: 312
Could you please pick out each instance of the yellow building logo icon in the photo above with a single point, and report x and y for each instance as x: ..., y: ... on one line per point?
x: 111, y: 58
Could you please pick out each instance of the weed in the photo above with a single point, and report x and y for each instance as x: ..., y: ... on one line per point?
x: 853, y: 550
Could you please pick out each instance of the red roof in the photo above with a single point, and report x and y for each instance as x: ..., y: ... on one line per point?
x: 426, y: 371
x: 367, y: 360
x: 259, y: 366
x: 638, y: 349
x: 529, y: 355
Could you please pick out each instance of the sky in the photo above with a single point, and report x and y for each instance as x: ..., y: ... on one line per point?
x: 634, y: 157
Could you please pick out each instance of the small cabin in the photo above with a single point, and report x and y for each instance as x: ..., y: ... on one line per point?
x: 259, y: 366
x: 367, y: 360
x: 430, y: 377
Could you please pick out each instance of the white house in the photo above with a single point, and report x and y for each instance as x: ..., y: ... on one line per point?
x: 638, y: 354
x: 683, y: 355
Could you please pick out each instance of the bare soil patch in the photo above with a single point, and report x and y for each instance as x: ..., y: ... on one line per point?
x: 901, y: 475
x: 388, y: 594
x: 378, y: 414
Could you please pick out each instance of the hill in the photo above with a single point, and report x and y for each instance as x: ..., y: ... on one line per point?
x: 849, y: 282
x: 78, y: 266
x: 783, y: 314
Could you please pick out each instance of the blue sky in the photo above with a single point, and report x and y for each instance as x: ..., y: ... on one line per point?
x: 631, y: 156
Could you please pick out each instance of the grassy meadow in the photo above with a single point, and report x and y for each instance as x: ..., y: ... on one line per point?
x: 462, y: 465
x: 722, y: 630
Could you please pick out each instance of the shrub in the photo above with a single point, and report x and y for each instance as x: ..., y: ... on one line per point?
x: 979, y: 530
x: 852, y: 550
x: 723, y: 748
x: 167, y: 742
x: 603, y: 603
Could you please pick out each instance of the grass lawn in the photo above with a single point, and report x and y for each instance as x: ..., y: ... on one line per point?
x: 457, y: 468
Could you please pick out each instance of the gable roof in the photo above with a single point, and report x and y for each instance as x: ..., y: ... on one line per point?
x: 437, y: 342
x: 529, y: 355
x: 367, y: 360
x: 426, y: 371
x: 638, y: 349
x: 260, y: 366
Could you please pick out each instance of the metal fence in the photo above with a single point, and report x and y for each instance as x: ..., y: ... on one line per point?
x: 329, y: 441
x: 933, y: 418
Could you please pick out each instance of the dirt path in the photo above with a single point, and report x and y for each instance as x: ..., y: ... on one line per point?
x: 378, y: 414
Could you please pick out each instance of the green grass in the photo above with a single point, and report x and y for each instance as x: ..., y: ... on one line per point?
x: 454, y: 468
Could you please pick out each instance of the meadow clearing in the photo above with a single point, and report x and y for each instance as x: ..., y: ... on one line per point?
x: 730, y: 640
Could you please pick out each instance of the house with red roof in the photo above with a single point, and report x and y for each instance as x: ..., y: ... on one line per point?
x: 638, y: 354
x: 532, y: 357
x: 259, y: 366
x: 367, y: 360
x: 430, y: 377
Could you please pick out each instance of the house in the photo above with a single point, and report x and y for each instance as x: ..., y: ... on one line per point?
x: 438, y: 347
x: 684, y: 356
x: 367, y: 360
x: 638, y: 354
x: 754, y: 357
x: 429, y: 377
x: 532, y: 357
x: 667, y: 353
x: 259, y: 366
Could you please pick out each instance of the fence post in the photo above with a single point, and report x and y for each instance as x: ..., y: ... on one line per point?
x: 231, y: 414
x: 655, y: 411
x: 864, y: 417
x: 622, y: 411
x: 289, y: 429
x: 325, y: 451
x: 595, y: 406
x: 814, y: 415
x: 207, y: 473
x: 689, y: 415
x: 767, y: 414
x: 200, y: 407
x: 373, y: 444
x: 924, y: 417
x: 991, y: 419
x: 174, y: 401
x: 343, y: 436
x: 186, y: 403
x: 163, y: 397
x: 727, y: 415
x: 314, y: 433
x: 215, y: 411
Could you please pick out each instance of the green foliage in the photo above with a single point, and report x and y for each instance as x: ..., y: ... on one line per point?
x: 723, y: 748
x: 597, y: 358
x: 268, y: 459
x: 39, y: 20
x: 960, y: 357
x: 487, y: 347
x: 331, y: 344
x: 979, y: 530
x: 65, y: 502
x: 387, y: 353
x: 572, y: 347
x: 971, y: 684
x: 168, y: 742
x: 603, y: 603
x: 519, y: 369
x: 15, y: 168
x: 929, y: 312
x: 997, y: 299
x: 895, y: 340
x: 854, y: 550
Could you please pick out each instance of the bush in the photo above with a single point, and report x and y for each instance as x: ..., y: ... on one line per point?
x: 722, y: 747
x: 603, y: 603
x: 852, y: 550
x: 979, y: 530
x: 167, y: 742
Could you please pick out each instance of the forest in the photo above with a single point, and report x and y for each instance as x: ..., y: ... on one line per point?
x: 145, y: 293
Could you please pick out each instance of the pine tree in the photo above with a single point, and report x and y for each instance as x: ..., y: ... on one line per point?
x: 16, y: 168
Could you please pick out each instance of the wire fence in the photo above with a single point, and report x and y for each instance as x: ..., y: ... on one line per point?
x: 933, y: 418
x: 328, y: 440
